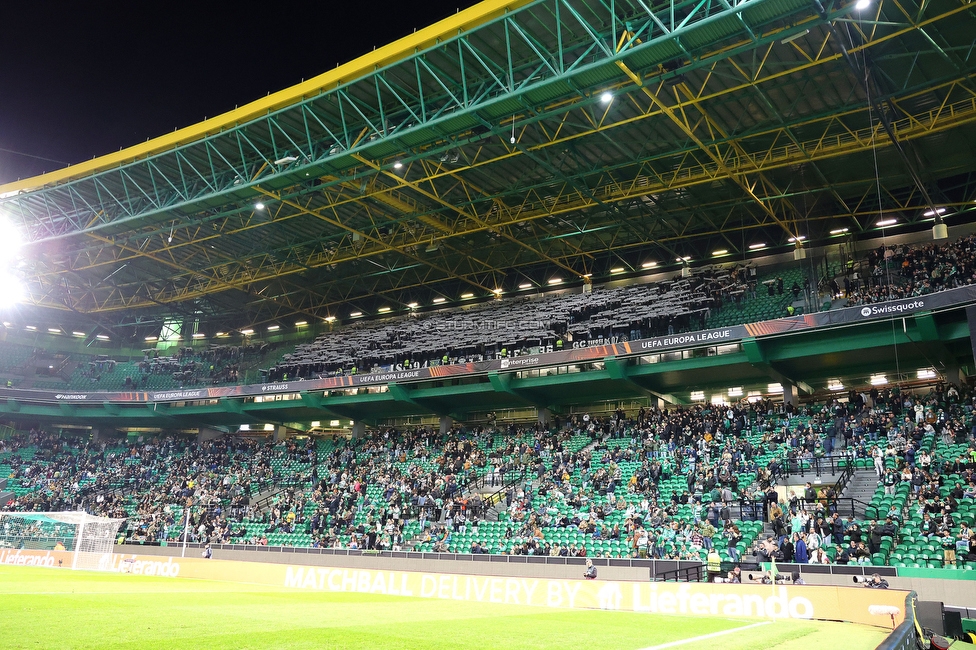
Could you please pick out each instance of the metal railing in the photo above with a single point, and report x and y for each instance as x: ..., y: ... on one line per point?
x: 830, y: 465
x: 277, y: 490
x: 845, y: 478
x: 487, y: 503
x: 755, y: 509
x: 496, y: 497
x: 693, y: 573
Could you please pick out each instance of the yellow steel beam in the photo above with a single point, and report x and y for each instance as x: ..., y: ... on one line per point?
x: 738, y: 177
x: 570, y: 200
x: 168, y: 263
x: 473, y: 217
x: 818, y: 59
x: 403, y: 48
x: 383, y: 246
x: 736, y: 145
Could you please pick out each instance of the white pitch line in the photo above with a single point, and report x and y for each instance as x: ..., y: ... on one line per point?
x: 704, y: 636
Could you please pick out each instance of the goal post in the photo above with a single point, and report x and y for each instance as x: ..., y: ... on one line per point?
x: 89, y: 539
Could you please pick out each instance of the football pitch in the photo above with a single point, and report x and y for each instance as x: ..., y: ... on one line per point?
x: 53, y: 608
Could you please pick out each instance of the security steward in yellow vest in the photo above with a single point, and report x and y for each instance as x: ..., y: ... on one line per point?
x: 713, y: 564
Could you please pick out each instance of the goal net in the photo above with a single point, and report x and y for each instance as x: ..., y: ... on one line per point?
x: 88, y: 539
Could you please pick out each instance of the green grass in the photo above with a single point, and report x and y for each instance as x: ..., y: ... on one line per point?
x: 49, y: 608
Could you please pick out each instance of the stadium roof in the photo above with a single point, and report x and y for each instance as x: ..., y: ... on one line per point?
x: 519, y: 143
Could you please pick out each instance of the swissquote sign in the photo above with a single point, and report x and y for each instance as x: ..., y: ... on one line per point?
x: 693, y: 599
x: 581, y: 353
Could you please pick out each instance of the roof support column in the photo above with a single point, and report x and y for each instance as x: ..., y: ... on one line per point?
x: 790, y: 393
x: 358, y: 430
x: 446, y: 423
x: 206, y: 433
x: 544, y: 416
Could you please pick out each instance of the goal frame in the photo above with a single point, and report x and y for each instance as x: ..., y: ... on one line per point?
x: 94, y: 537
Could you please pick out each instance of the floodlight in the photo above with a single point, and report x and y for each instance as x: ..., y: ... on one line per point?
x: 11, y: 290
x: 10, y: 237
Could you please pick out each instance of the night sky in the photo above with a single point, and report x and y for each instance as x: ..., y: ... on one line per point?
x: 80, y: 79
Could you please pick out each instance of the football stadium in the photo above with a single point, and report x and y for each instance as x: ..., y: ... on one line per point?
x: 556, y: 323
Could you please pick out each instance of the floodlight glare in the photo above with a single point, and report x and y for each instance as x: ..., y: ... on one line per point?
x: 11, y: 290
x: 10, y: 239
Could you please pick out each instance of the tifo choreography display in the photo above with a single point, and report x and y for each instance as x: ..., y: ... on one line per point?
x: 588, y: 353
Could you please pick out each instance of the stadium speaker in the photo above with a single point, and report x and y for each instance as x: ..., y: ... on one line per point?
x: 931, y: 614
x: 799, y: 253
x: 953, y: 624
x: 940, y: 231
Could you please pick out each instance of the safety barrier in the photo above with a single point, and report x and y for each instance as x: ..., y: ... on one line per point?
x: 696, y: 599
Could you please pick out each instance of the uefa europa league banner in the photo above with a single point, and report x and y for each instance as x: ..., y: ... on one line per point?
x: 689, y: 599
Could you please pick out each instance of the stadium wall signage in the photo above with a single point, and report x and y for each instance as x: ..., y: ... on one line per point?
x: 695, y: 599
x: 578, y: 354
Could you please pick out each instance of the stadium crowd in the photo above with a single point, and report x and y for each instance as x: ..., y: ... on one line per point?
x: 895, y: 429
x: 905, y: 271
x: 658, y: 483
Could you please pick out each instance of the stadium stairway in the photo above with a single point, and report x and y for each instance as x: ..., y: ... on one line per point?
x: 494, y: 513
x: 861, y: 488
x: 265, y: 496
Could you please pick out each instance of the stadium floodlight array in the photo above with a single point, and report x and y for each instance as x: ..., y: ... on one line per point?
x: 87, y: 538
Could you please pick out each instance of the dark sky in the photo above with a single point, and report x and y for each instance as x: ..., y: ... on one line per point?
x: 80, y: 79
